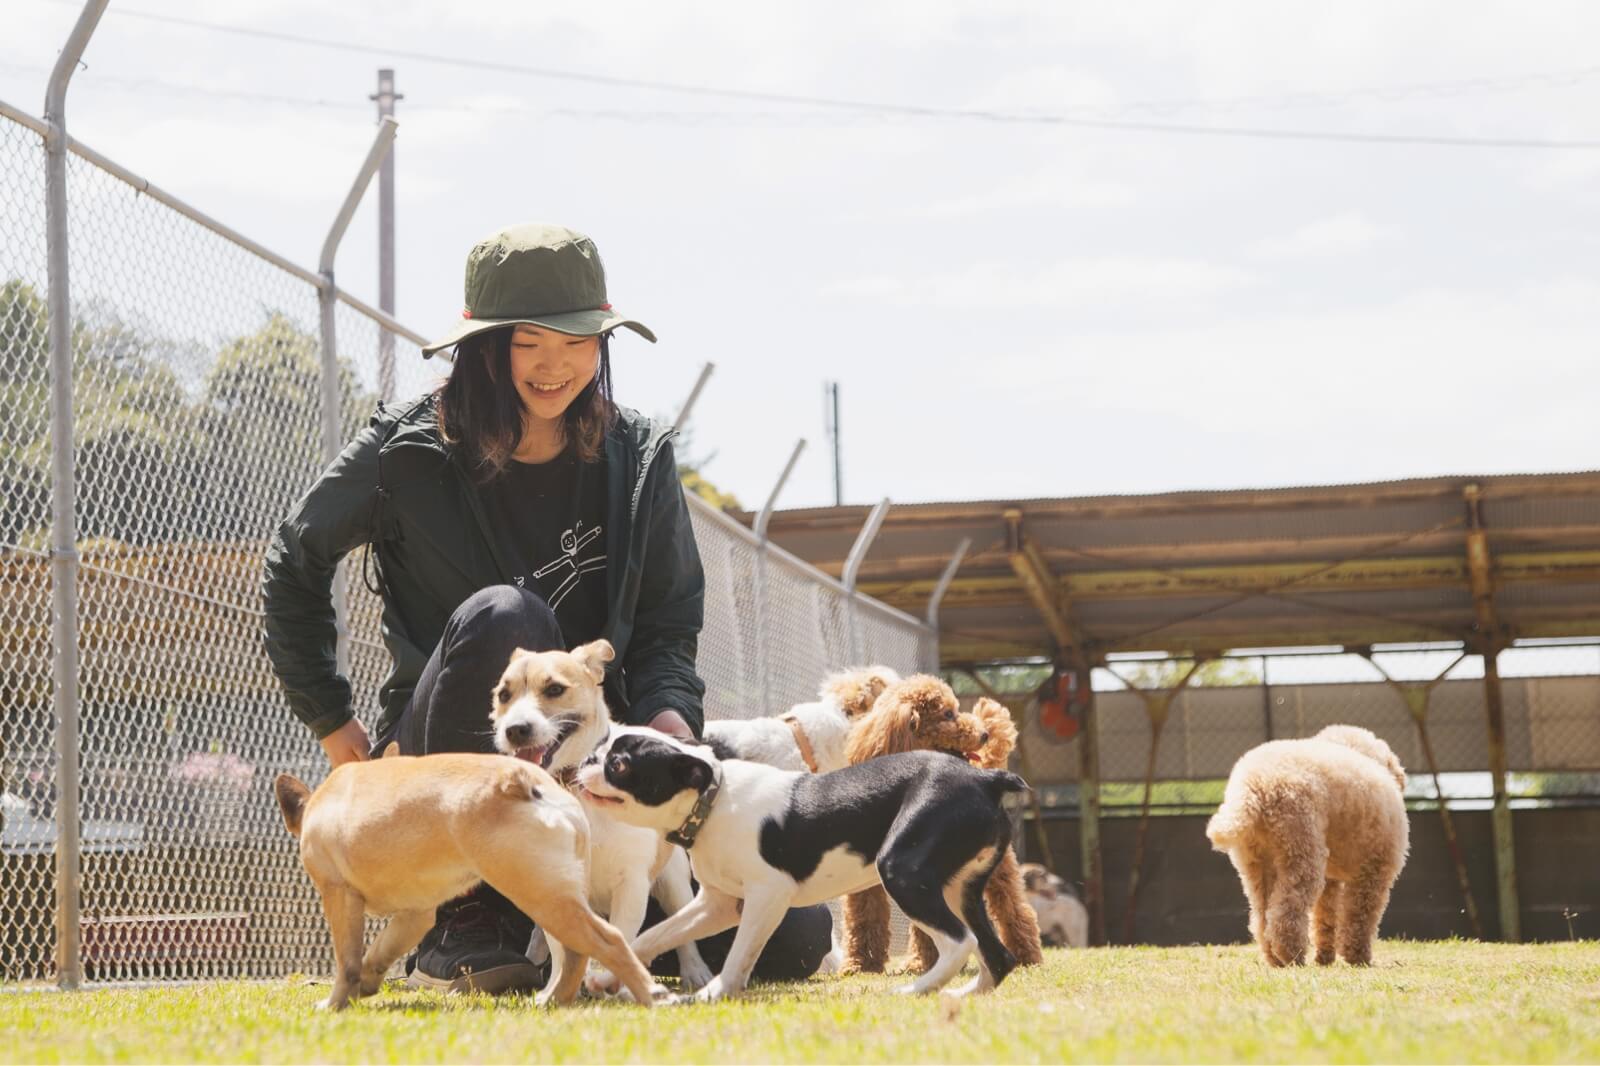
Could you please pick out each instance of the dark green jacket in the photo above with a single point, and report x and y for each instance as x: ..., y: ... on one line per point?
x: 437, y: 549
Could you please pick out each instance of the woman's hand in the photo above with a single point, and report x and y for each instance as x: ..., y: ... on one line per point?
x: 348, y: 743
x: 672, y: 724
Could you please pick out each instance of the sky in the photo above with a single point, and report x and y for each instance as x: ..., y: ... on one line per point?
x: 1013, y: 306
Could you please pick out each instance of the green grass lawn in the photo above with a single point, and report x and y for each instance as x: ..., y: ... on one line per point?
x: 1421, y: 1002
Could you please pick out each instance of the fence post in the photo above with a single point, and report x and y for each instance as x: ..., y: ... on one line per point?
x: 386, y: 97
x: 1489, y: 640
x: 1089, y: 853
x: 327, y: 294
x: 852, y: 568
x: 943, y: 584
x: 763, y: 519
x: 694, y: 394
x: 63, y: 496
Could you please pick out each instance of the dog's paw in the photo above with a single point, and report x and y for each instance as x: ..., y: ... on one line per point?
x: 909, y: 989
x: 545, y: 996
x: 332, y: 1003
x: 601, y: 982
x: 831, y: 963
x: 658, y: 993
x: 694, y: 974
x: 714, y: 990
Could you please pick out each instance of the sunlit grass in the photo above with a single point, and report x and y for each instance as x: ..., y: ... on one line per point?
x: 1435, y: 1002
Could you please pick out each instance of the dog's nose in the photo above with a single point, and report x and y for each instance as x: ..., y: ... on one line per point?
x: 982, y: 740
x: 519, y: 735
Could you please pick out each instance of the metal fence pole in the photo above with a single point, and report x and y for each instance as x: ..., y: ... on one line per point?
x: 1090, y: 856
x: 943, y: 585
x: 63, y: 494
x: 694, y: 394
x: 852, y: 567
x: 763, y: 631
x: 331, y: 394
x: 386, y: 97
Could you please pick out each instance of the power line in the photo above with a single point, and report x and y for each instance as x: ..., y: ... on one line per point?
x: 903, y: 110
x: 1385, y: 93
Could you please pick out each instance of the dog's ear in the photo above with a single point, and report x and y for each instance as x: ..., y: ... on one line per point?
x: 691, y: 772
x: 594, y: 656
x: 292, y: 795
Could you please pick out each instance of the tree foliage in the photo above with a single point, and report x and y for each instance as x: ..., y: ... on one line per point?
x: 691, y: 472
x: 159, y: 459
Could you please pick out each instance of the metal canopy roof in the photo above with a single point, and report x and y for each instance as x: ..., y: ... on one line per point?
x: 1201, y: 571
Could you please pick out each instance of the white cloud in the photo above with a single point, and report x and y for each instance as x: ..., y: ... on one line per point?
x: 1099, y: 285
x: 1047, y: 189
x: 1341, y: 234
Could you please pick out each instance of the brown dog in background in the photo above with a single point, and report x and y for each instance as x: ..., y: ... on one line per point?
x: 399, y: 836
x: 1317, y: 830
x: 922, y: 713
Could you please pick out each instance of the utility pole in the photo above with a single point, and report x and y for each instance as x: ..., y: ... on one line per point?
x: 386, y: 97
x: 830, y: 419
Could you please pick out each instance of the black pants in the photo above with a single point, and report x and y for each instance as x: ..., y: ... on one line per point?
x: 449, y: 711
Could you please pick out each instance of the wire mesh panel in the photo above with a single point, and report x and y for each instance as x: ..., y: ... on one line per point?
x: 775, y: 627
x: 1550, y: 698
x: 197, y: 383
x: 27, y: 785
x: 196, y: 377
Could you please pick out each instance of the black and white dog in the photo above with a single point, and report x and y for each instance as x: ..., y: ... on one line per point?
x: 927, y: 826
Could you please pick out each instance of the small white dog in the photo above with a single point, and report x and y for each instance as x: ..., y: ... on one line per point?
x: 811, y: 735
x: 548, y: 708
x: 1063, y: 919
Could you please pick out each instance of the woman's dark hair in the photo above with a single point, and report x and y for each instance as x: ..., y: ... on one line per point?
x: 480, y: 409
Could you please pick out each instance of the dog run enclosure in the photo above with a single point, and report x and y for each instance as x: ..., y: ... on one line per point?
x: 209, y: 380
x: 1146, y: 642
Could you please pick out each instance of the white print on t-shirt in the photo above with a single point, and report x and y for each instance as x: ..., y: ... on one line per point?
x: 572, y: 541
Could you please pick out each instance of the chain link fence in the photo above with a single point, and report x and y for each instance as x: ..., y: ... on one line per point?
x: 1419, y: 700
x: 196, y: 371
x: 1170, y: 730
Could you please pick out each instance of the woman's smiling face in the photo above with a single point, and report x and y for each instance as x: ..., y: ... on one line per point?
x: 551, y: 369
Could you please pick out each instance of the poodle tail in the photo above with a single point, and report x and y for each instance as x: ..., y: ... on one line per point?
x: 1226, y: 827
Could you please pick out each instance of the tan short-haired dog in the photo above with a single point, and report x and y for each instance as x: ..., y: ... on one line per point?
x: 399, y: 836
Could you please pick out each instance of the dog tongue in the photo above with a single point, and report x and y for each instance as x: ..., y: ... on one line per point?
x: 533, y: 755
x: 972, y: 757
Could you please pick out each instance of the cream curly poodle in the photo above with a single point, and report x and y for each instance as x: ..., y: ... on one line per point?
x: 1317, y: 830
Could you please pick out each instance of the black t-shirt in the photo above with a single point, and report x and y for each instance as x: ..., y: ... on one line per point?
x: 552, y: 518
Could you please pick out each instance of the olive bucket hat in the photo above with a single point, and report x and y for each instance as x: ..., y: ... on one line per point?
x: 536, y: 275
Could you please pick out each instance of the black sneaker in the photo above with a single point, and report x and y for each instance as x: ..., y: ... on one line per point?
x: 479, y: 944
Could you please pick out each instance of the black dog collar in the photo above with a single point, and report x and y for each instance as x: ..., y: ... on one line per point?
x: 684, y: 835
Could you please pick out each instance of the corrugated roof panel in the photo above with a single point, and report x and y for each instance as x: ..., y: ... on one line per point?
x: 1384, y: 561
